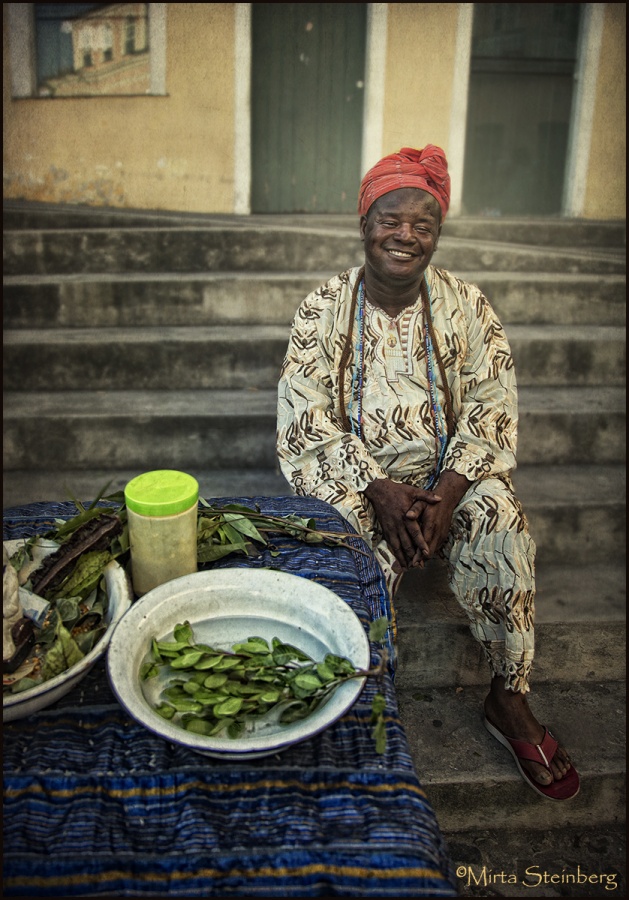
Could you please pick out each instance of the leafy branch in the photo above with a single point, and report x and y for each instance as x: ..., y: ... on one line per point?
x: 214, y: 690
x: 234, y: 528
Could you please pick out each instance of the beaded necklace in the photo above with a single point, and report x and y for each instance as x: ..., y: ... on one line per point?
x: 438, y: 418
x: 356, y: 390
x: 359, y: 366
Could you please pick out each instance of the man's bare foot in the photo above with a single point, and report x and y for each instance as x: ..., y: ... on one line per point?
x: 510, y: 713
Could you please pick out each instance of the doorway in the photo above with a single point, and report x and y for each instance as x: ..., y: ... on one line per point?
x: 520, y: 101
x: 307, y: 91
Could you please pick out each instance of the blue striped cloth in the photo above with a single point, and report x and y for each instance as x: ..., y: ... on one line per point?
x: 96, y: 805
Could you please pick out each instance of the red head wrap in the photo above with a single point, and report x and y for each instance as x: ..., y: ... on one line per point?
x: 426, y: 169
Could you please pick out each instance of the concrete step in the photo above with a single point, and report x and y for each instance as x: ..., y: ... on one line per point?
x: 580, y: 616
x: 552, y: 355
x: 278, y: 249
x: 571, y: 425
x: 581, y: 593
x: 218, y: 357
x: 472, y: 781
x: 576, y: 513
x: 29, y: 486
x: 224, y: 357
x: 540, y: 231
x: 263, y: 298
x: 148, y: 429
x: 236, y: 429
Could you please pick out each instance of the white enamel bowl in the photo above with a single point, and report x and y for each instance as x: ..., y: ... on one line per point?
x: 225, y: 607
x: 17, y: 706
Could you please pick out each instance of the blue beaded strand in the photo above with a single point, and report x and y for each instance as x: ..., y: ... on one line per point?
x: 359, y: 361
x: 437, y: 412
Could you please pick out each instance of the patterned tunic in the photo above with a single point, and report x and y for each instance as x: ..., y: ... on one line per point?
x: 489, y: 550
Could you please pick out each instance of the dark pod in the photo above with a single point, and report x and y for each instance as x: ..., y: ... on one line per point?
x: 23, y: 634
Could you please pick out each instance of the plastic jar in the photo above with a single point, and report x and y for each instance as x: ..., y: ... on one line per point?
x: 162, y: 515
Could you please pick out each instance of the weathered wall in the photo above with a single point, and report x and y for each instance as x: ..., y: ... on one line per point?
x: 174, y: 152
x: 605, y: 195
x: 420, y: 63
x: 177, y: 152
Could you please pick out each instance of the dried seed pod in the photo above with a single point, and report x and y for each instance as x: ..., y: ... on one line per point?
x: 96, y: 534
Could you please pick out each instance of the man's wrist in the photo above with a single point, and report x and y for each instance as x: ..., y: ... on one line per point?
x: 374, y: 487
x: 452, y: 486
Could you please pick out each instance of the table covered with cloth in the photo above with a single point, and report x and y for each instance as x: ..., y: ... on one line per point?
x: 96, y: 805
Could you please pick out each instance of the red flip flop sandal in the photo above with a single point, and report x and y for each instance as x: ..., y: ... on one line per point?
x: 564, y: 789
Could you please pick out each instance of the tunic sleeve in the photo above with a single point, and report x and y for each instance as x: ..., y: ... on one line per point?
x: 485, y: 438
x: 314, y: 450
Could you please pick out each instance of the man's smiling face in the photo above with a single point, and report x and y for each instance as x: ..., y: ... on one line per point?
x: 400, y: 233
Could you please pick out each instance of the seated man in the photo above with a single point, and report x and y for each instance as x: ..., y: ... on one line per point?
x: 398, y: 405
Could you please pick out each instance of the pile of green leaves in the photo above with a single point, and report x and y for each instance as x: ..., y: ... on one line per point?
x: 212, y: 691
x: 78, y: 607
x: 235, y: 528
x: 77, y: 615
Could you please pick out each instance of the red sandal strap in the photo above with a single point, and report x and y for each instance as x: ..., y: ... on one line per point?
x: 540, y: 753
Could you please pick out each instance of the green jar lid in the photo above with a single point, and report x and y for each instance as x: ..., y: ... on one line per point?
x: 164, y: 492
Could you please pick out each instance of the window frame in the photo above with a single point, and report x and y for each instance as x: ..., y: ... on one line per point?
x: 21, y: 19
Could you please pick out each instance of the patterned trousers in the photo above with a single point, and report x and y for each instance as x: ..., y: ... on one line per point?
x: 491, y: 566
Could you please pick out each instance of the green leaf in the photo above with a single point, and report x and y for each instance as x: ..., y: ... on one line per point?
x: 187, y: 659
x: 175, y: 692
x: 285, y: 653
x: 212, y: 552
x: 307, y: 681
x: 157, y: 657
x: 339, y: 664
x: 269, y: 696
x: 230, y: 535
x: 148, y: 670
x: 165, y: 710
x: 25, y: 684
x: 325, y: 673
x: 220, y: 725
x: 87, y: 640
x: 68, y: 609
x: 253, y: 645
x: 199, y: 726
x: 208, y: 662
x: 187, y: 705
x: 215, y: 681
x: 86, y: 575
x: 210, y: 698
x: 379, y: 733
x: 48, y: 633
x: 229, y: 708
x: 235, y: 729
x: 227, y: 662
x: 67, y: 527
x: 171, y: 646
x: 183, y: 633
x: 378, y: 706
x: 63, y: 654
x: 244, y: 526
x: 378, y: 629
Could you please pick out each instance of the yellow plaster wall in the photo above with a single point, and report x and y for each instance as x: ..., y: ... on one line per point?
x: 174, y: 152
x: 419, y: 70
x: 605, y: 194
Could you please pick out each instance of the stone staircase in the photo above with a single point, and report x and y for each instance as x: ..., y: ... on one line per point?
x: 139, y: 340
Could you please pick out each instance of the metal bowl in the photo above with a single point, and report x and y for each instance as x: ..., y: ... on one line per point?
x: 224, y: 607
x: 17, y: 706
